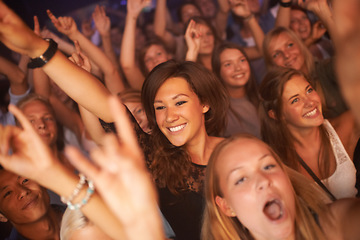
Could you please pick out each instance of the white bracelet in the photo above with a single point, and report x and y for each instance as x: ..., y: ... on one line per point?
x: 76, y: 191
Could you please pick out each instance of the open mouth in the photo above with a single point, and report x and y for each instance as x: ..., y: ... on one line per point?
x: 273, y: 209
x: 177, y: 128
x: 311, y: 113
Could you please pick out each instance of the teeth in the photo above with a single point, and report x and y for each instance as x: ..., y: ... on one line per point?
x: 178, y: 128
x: 239, y: 75
x: 312, y: 113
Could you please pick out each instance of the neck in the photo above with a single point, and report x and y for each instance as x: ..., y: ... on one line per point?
x: 236, y: 92
x: 205, y: 60
x: 309, y: 137
x: 48, y: 227
x: 201, y: 150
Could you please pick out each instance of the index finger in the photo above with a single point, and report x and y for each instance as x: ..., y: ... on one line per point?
x: 51, y: 16
x: 122, y: 123
x: 26, y: 125
x: 36, y: 26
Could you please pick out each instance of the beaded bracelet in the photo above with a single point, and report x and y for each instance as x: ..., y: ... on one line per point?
x: 76, y: 190
x: 89, y: 193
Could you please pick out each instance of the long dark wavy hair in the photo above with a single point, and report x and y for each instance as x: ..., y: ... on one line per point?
x: 171, y: 164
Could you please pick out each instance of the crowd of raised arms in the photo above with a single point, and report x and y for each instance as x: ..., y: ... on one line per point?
x: 214, y: 119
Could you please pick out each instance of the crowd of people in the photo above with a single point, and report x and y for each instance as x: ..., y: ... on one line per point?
x: 235, y: 119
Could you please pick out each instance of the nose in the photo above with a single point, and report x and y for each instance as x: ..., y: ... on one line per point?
x: 39, y: 124
x: 23, y: 192
x: 238, y: 66
x: 308, y: 102
x: 262, y: 181
x: 286, y: 54
x: 171, y: 115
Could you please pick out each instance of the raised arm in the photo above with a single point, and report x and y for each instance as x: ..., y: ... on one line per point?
x: 283, y: 15
x: 32, y: 159
x: 192, y: 38
x: 127, y: 54
x: 76, y: 82
x: 112, y: 77
x: 347, y: 46
x: 160, y: 24
x: 241, y: 9
x: 222, y: 17
x: 103, y: 24
x: 16, y: 77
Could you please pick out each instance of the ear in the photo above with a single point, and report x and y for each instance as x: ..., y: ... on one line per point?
x: 3, y: 218
x: 224, y: 207
x: 271, y: 114
x: 205, y: 108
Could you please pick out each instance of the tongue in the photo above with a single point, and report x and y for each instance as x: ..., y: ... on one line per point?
x: 273, y: 210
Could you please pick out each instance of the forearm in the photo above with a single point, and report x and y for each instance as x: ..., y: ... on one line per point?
x: 283, y: 16
x: 256, y: 31
x: 160, y: 18
x: 108, y: 50
x: 15, y: 75
x: 41, y: 83
x: 79, y: 85
x: 63, y: 182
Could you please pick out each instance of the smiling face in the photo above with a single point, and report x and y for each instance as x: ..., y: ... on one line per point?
x: 179, y: 113
x: 155, y: 55
x: 21, y: 200
x: 255, y: 189
x: 301, y: 105
x: 207, y: 41
x: 43, y: 120
x: 300, y: 24
x: 285, y: 52
x: 234, y: 68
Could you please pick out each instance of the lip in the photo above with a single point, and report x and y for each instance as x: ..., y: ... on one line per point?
x: 30, y: 203
x: 238, y: 75
x: 284, y: 213
x: 314, y: 113
x: 176, y: 129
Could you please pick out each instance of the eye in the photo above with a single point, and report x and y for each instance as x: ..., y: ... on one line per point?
x: 7, y: 194
x: 310, y: 90
x: 159, y: 108
x: 240, y: 180
x: 227, y: 64
x: 243, y: 60
x: 269, y: 166
x: 24, y: 181
x: 180, y: 103
x: 290, y: 45
x: 294, y: 100
x: 139, y: 111
x: 32, y: 121
x: 275, y: 55
x: 48, y: 119
x: 159, y: 53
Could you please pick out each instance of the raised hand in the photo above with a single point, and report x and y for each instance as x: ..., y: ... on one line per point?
x: 65, y: 25
x: 80, y: 59
x: 102, y: 22
x: 86, y: 28
x: 31, y: 157
x: 240, y: 8
x: 313, y: 5
x: 134, y: 7
x: 121, y: 178
x: 193, y: 37
x: 17, y: 36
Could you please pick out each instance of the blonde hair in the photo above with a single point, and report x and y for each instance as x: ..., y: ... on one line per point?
x: 274, y: 33
x: 72, y: 220
x: 217, y: 225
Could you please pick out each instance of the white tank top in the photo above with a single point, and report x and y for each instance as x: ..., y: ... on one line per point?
x: 342, y: 183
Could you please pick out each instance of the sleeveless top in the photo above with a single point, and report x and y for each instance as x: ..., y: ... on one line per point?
x: 342, y: 183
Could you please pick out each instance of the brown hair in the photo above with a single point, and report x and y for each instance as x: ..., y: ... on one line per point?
x: 251, y: 87
x: 218, y: 226
x: 274, y: 130
x: 170, y: 163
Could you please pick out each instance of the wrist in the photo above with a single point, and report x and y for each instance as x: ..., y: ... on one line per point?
x: 39, y: 48
x: 248, y: 18
x: 285, y: 3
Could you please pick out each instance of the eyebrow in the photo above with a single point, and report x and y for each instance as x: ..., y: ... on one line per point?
x: 173, y: 98
x: 307, y: 87
x: 238, y: 168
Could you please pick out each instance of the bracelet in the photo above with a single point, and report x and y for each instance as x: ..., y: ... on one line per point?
x: 89, y: 192
x: 76, y: 190
x: 45, y: 57
x: 285, y: 5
